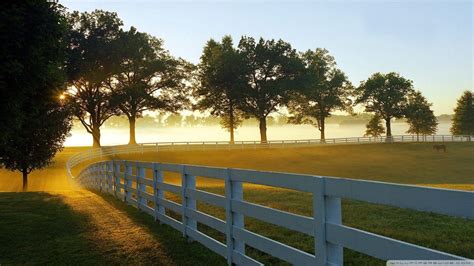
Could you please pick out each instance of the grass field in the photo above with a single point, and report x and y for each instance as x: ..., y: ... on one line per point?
x: 399, y: 163
x: 39, y: 228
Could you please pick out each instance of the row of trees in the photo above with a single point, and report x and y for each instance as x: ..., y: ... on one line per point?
x: 108, y: 71
x: 116, y: 72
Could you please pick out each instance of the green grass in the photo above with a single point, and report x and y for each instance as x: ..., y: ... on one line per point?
x: 398, y: 163
x: 440, y: 232
x: 406, y: 163
x: 40, y: 228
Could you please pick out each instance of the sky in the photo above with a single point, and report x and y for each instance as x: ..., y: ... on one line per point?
x: 429, y: 42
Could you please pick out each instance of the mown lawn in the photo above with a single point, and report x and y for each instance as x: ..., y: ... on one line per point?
x: 399, y: 163
x: 408, y: 163
x: 38, y: 228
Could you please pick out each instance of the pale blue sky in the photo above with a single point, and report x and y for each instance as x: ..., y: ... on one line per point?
x: 430, y: 42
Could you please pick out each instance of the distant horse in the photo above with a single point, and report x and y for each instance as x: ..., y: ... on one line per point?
x: 439, y: 147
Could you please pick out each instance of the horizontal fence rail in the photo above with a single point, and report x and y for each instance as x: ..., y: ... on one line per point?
x: 132, y: 182
x: 225, y: 145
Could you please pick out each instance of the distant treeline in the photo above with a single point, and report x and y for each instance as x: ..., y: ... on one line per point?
x: 177, y: 120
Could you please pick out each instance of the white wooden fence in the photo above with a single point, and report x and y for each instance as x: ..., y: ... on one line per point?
x: 129, y: 181
x: 219, y: 145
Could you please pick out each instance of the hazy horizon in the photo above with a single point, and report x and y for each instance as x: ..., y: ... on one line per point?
x: 247, y: 132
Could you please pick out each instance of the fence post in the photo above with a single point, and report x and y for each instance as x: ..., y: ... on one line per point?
x: 105, y: 176
x: 114, y: 179
x: 334, y: 215
x: 233, y: 191
x: 141, y: 188
x: 127, y: 181
x: 326, y: 210
x: 95, y: 172
x: 109, y: 174
x: 157, y: 193
x: 97, y: 176
x: 118, y: 182
x: 187, y: 181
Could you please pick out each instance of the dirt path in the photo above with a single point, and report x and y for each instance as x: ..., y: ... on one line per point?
x: 115, y: 233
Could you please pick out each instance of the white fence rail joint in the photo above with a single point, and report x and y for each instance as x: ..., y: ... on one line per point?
x: 330, y: 235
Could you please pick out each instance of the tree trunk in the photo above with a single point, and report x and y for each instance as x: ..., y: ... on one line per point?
x: 232, y: 135
x: 25, y: 179
x: 389, y: 130
x: 96, y: 137
x: 263, y: 129
x: 231, y: 125
x: 322, y: 125
x: 133, y: 140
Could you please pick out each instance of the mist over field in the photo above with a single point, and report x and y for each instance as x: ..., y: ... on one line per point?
x: 189, y: 128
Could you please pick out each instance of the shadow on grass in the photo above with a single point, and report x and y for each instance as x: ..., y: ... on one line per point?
x: 172, y: 243
x: 39, y: 228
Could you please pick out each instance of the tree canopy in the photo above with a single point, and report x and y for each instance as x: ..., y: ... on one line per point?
x: 325, y: 89
x: 221, y: 80
x: 273, y: 70
x: 91, y: 62
x: 34, y: 121
x: 420, y: 117
x: 385, y: 95
x: 463, y: 120
x: 374, y: 128
x: 146, y: 77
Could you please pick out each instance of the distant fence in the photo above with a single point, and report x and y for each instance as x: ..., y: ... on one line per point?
x: 130, y: 181
x: 225, y: 145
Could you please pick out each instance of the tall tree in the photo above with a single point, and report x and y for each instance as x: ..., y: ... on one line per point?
x: 463, y: 119
x: 273, y: 70
x: 374, y: 128
x: 326, y: 89
x: 35, y: 123
x: 420, y: 117
x: 146, y: 77
x: 385, y: 95
x: 92, y: 37
x: 220, y: 83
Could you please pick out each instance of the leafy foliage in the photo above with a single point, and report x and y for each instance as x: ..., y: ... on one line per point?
x: 146, y: 77
x: 374, y: 128
x: 273, y: 70
x: 463, y: 120
x: 326, y: 89
x: 221, y: 79
x: 385, y: 95
x: 34, y: 122
x: 420, y: 117
x: 92, y: 37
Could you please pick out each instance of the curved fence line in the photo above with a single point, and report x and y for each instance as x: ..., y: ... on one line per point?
x: 106, y: 151
x: 142, y: 185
